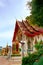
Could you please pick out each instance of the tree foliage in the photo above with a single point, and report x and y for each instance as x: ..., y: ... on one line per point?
x: 37, y: 12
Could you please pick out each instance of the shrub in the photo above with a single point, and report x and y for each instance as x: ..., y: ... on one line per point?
x: 39, y: 45
x: 35, y: 63
x: 40, y: 52
x: 40, y: 62
x: 25, y: 61
x: 29, y: 60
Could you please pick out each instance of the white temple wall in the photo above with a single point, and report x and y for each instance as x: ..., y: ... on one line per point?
x: 39, y: 37
x: 25, y: 40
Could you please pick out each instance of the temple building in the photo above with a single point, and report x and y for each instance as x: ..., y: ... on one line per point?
x: 28, y: 34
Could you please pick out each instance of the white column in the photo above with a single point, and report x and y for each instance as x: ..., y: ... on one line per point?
x: 25, y: 45
x: 34, y: 44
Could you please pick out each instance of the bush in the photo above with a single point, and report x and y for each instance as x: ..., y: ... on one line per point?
x: 32, y: 58
x: 39, y: 45
x: 25, y: 61
x: 40, y: 61
x: 35, y: 63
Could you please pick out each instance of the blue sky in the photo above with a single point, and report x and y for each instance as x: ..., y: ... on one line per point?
x: 10, y: 10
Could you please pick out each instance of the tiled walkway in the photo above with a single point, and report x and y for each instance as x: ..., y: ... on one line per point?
x: 11, y: 61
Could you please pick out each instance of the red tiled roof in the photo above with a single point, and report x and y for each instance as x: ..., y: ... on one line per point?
x: 27, y: 29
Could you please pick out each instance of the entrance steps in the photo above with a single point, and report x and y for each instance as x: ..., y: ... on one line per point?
x: 16, y: 60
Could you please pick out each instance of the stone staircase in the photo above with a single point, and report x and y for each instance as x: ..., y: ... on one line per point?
x: 16, y: 60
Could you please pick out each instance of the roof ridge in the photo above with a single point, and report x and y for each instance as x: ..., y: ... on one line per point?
x: 24, y: 22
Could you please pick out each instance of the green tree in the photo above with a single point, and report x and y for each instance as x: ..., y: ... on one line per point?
x: 36, y: 12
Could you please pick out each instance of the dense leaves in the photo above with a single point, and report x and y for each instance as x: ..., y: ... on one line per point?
x: 31, y: 59
x: 40, y: 62
x: 37, y: 12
